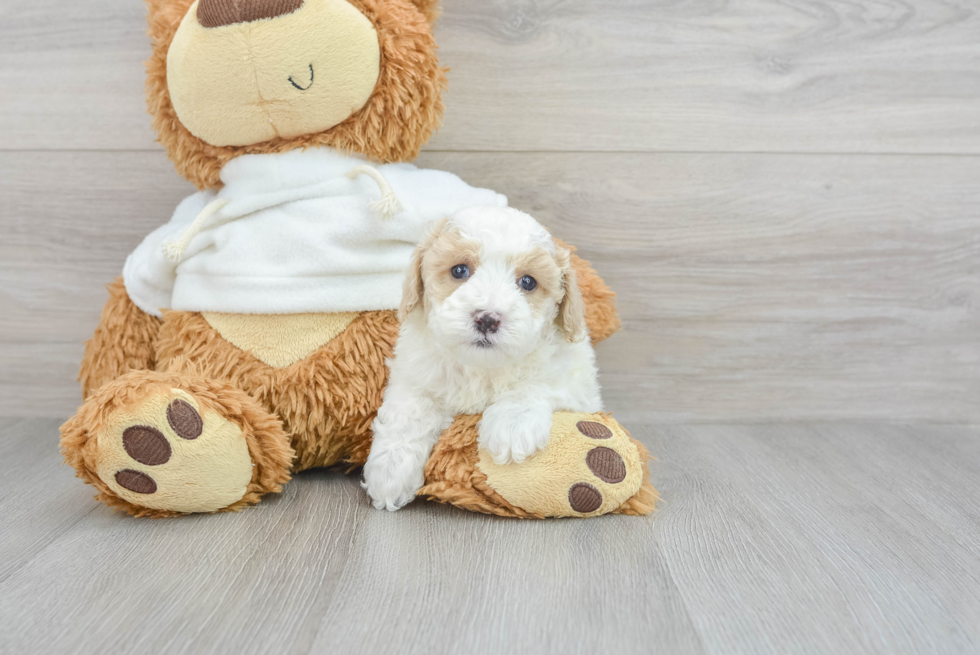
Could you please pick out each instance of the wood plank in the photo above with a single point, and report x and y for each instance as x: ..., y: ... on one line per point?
x: 772, y: 539
x: 770, y: 530
x: 751, y: 287
x: 71, y: 75
x: 762, y: 75
x: 40, y: 500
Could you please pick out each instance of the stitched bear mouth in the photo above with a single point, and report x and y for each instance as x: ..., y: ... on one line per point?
x: 302, y: 88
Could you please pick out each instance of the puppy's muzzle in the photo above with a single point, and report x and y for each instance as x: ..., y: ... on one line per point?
x: 486, y: 322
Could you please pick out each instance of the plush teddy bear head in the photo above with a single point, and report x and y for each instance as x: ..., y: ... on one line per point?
x: 233, y: 77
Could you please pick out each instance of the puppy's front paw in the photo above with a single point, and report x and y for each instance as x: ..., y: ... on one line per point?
x: 392, y: 478
x: 512, y: 433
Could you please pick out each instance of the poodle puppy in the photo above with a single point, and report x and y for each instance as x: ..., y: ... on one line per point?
x: 492, y: 321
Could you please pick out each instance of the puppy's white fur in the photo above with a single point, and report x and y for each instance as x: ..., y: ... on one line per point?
x: 537, y: 362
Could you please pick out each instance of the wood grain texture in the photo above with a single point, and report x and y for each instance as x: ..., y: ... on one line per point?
x: 635, y: 75
x: 773, y: 539
x: 71, y: 75
x: 752, y: 287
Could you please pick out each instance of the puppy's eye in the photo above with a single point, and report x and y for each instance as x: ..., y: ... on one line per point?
x: 528, y: 283
x: 460, y: 271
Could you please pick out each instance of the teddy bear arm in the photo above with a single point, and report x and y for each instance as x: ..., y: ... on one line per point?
x: 125, y: 340
x: 591, y: 466
x: 601, y: 316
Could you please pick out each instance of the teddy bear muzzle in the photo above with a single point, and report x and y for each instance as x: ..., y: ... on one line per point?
x: 241, y: 72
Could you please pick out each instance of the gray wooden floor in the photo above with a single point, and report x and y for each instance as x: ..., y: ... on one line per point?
x: 786, y: 196
x: 773, y: 539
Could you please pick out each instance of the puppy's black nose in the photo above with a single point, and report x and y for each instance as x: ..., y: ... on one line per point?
x: 487, y: 322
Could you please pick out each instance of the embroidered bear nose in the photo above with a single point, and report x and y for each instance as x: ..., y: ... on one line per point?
x: 215, y: 13
x: 487, y: 322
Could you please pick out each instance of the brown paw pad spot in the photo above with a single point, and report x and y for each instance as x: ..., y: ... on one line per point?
x: 584, y: 498
x: 184, y: 420
x: 146, y: 445
x: 594, y: 430
x: 136, y: 481
x: 607, y: 465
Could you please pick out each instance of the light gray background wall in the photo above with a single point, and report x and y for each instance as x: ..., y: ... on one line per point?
x: 786, y: 195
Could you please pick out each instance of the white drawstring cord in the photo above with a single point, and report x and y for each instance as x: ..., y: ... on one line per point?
x: 389, y: 204
x: 174, y: 250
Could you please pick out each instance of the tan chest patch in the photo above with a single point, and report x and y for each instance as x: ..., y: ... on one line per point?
x: 279, y: 340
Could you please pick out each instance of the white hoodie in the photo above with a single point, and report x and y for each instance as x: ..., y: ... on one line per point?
x: 296, y: 236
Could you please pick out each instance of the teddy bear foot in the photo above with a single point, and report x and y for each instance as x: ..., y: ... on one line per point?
x: 591, y: 466
x: 164, y: 444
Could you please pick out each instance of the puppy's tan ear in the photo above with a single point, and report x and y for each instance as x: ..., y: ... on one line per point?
x: 413, y: 291
x: 571, y: 310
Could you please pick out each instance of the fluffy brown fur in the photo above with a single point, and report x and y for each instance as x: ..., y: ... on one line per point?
x: 601, y: 316
x: 402, y: 113
x: 429, y: 9
x: 326, y: 402
x: 452, y: 476
x: 268, y: 445
x: 125, y: 340
x: 645, y: 500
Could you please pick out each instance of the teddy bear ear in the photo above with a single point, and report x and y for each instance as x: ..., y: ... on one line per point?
x: 164, y: 16
x: 429, y: 9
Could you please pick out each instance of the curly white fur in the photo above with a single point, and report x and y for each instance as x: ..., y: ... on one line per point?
x: 537, y: 362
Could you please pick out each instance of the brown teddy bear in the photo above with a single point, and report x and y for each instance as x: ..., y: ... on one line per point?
x: 246, y: 339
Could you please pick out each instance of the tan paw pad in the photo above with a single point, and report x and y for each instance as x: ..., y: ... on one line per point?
x: 168, y: 454
x: 590, y: 467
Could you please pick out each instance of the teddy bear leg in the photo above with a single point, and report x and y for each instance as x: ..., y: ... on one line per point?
x: 125, y: 340
x: 590, y: 467
x: 162, y: 444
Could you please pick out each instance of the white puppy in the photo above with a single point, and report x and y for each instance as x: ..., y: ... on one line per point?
x: 492, y: 322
